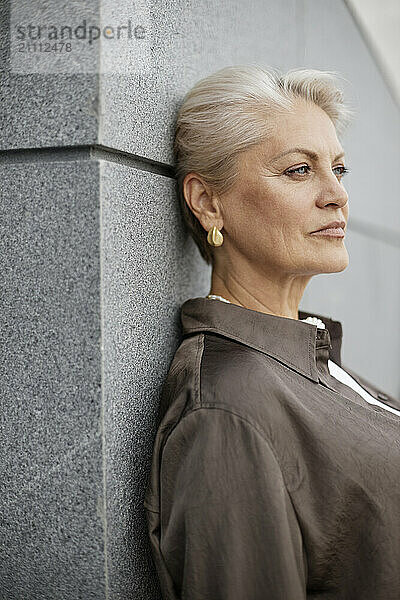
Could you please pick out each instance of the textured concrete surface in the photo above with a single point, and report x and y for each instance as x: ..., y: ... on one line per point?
x: 41, y: 106
x: 51, y: 483
x: 148, y: 264
x: 95, y: 263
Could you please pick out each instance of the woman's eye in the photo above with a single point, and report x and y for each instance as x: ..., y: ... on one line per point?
x: 344, y: 170
x: 290, y: 171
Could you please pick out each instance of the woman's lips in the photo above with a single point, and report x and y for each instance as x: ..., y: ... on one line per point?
x: 337, y: 232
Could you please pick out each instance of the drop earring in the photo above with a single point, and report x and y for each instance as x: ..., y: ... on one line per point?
x: 215, y: 237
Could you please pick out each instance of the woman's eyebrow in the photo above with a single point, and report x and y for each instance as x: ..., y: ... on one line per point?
x: 309, y: 153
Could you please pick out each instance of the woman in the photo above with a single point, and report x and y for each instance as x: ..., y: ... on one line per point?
x: 275, y: 472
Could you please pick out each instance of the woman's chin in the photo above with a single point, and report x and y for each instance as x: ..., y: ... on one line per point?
x: 336, y: 264
x: 332, y: 261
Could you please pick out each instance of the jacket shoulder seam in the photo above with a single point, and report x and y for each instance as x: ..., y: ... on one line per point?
x: 150, y: 508
x: 210, y: 406
x: 196, y: 389
x: 199, y: 361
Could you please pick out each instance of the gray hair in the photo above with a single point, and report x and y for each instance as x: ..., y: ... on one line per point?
x: 227, y: 113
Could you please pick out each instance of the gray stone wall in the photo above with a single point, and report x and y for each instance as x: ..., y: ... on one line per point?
x: 95, y: 263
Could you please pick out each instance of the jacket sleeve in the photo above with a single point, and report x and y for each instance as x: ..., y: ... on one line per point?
x: 228, y: 527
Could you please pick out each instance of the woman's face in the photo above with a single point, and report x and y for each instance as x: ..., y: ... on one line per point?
x: 279, y: 200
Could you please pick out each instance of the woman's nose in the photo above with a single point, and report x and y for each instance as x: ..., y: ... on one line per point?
x: 334, y: 193
x: 338, y: 199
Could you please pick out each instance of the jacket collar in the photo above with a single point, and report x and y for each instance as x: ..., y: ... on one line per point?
x: 293, y: 342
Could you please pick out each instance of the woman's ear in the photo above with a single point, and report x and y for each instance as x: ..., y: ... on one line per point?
x: 203, y: 203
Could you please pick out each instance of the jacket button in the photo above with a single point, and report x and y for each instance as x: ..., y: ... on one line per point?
x: 382, y: 396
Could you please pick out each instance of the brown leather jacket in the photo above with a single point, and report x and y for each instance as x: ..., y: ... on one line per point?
x: 271, y: 479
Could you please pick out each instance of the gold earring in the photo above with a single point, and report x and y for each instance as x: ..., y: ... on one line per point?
x: 215, y: 237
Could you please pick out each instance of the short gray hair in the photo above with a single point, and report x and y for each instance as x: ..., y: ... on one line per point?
x: 227, y: 113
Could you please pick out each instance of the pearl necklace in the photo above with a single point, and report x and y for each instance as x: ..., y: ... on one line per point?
x: 311, y: 320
